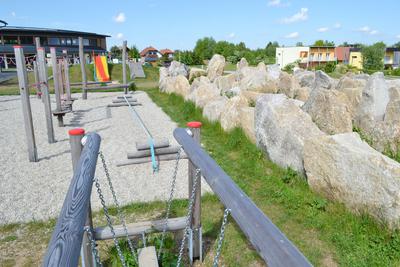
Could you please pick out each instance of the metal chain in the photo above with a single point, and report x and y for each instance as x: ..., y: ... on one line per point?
x: 221, y: 237
x: 95, y: 252
x: 120, y: 214
x: 109, y: 222
x: 169, y: 202
x: 188, y: 216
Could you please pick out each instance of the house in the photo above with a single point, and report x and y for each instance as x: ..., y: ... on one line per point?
x: 150, y: 55
x: 392, y: 57
x: 342, y: 54
x: 168, y: 52
x: 62, y: 40
x: 355, y: 58
x: 321, y: 55
x: 289, y: 55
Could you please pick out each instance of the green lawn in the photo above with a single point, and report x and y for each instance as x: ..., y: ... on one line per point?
x: 325, y: 231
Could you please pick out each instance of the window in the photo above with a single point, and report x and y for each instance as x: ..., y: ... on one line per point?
x: 85, y: 42
x: 69, y: 41
x: 327, y: 56
x: 12, y: 40
x: 312, y: 56
x: 92, y: 42
x: 75, y: 41
x: 54, y: 41
x: 43, y: 41
x: 320, y: 56
x: 63, y: 41
x: 26, y: 40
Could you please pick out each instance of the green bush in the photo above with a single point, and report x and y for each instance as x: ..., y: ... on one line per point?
x: 289, y: 68
x: 329, y: 67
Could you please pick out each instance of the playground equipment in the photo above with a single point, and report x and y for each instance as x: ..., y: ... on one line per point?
x: 75, y: 234
x: 101, y: 69
x: 85, y: 84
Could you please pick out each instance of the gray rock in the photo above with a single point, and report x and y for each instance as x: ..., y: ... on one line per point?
x: 242, y: 63
x: 305, y: 78
x: 344, y: 168
x: 322, y: 80
x: 226, y: 82
x: 203, y: 94
x: 230, y: 116
x: 281, y: 128
x: 177, y: 68
x: 274, y: 71
x: 196, y: 72
x: 215, y: 67
x: 288, y: 84
x: 213, y: 109
x: 246, y: 118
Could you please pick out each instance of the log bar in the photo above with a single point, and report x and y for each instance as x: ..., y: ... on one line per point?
x: 130, y: 100
x: 157, y: 144
x: 65, y: 244
x: 173, y: 224
x: 270, y: 243
x: 106, y: 87
x: 166, y: 157
x: 114, y: 105
x: 157, y: 151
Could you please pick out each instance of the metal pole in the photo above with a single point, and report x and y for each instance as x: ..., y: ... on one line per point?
x: 82, y: 61
x: 44, y: 88
x: 56, y: 85
x: 75, y: 141
x: 196, y: 229
x: 37, y: 84
x: 124, y: 43
x: 26, y: 104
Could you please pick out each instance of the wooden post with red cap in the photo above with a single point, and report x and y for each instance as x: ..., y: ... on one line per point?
x: 26, y: 103
x: 197, y: 248
x: 75, y: 141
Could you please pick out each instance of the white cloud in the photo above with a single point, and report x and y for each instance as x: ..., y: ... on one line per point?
x: 120, y: 17
x: 13, y: 14
x: 299, y: 16
x: 323, y: 29
x: 337, y: 25
x: 373, y: 32
x: 364, y: 29
x: 277, y: 3
x: 292, y: 35
x: 119, y: 36
x: 232, y: 35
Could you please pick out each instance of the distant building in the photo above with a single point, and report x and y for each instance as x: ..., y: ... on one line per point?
x: 342, y: 54
x: 167, y: 52
x: 62, y: 40
x: 150, y: 55
x: 355, y: 58
x: 289, y: 55
x: 321, y: 55
x: 392, y: 57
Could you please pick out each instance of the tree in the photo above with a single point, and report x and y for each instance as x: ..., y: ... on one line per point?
x: 373, y: 56
x: 224, y: 48
x: 115, y: 51
x: 299, y: 44
x: 134, y: 52
x: 324, y: 43
x: 204, y: 48
x: 397, y: 45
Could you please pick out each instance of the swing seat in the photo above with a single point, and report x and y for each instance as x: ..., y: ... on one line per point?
x: 148, y: 257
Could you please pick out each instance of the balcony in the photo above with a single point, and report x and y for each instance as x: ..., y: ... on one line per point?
x: 323, y: 59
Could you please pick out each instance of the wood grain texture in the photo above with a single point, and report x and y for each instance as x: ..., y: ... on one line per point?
x: 65, y: 244
x: 157, y: 151
x: 159, y: 158
x: 270, y: 243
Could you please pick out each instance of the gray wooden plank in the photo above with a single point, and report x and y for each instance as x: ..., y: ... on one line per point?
x: 148, y: 257
x: 157, y: 151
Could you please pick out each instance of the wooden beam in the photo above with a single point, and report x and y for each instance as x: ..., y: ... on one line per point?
x: 123, y: 104
x: 166, y: 157
x: 270, y: 243
x: 110, y: 86
x: 88, y: 83
x: 130, y: 100
x: 124, y: 43
x: 157, y: 151
x: 83, y: 71
x: 134, y: 229
x: 148, y: 257
x: 157, y: 144
x: 65, y: 244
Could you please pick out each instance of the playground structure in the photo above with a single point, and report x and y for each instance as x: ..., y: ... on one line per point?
x: 75, y: 235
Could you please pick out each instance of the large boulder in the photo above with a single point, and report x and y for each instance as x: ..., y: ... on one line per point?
x: 242, y: 63
x: 354, y: 97
x: 392, y: 113
x: 163, y: 75
x: 330, y: 110
x: 246, y: 118
x: 344, y: 168
x: 274, y: 71
x: 288, y: 84
x: 213, y: 109
x: 348, y: 81
x: 226, y: 82
x: 177, y: 68
x: 203, y: 94
x: 230, y: 116
x: 322, y: 80
x: 202, y: 80
x: 281, y: 128
x: 178, y: 85
x: 196, y: 72
x: 215, y: 67
x: 374, y: 100
x: 251, y: 97
x: 305, y: 77
x: 256, y: 79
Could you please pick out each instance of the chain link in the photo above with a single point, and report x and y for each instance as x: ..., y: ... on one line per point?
x: 171, y: 195
x: 95, y: 252
x: 109, y: 222
x: 120, y: 215
x: 221, y: 237
x: 188, y: 216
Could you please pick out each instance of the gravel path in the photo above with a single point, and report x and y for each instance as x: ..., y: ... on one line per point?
x: 36, y: 191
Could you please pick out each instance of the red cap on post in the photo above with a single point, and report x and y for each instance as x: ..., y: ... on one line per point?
x: 76, y: 131
x: 194, y: 124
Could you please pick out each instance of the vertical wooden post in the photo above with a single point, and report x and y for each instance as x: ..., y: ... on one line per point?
x: 56, y: 86
x: 5, y: 62
x: 66, y: 79
x: 82, y: 61
x: 44, y: 88
x: 37, y: 83
x: 197, y: 247
x: 60, y: 79
x: 124, y: 66
x: 26, y: 104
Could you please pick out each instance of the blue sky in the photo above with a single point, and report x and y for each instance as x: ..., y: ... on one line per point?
x: 177, y: 24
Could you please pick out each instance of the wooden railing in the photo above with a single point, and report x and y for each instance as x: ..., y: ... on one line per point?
x: 65, y: 244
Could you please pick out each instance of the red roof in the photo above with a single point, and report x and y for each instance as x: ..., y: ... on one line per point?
x: 166, y: 51
x: 146, y: 50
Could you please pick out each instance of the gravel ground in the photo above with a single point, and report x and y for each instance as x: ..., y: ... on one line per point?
x: 36, y: 191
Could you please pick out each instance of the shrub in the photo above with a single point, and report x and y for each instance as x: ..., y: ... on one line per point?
x: 329, y: 67
x: 289, y: 68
